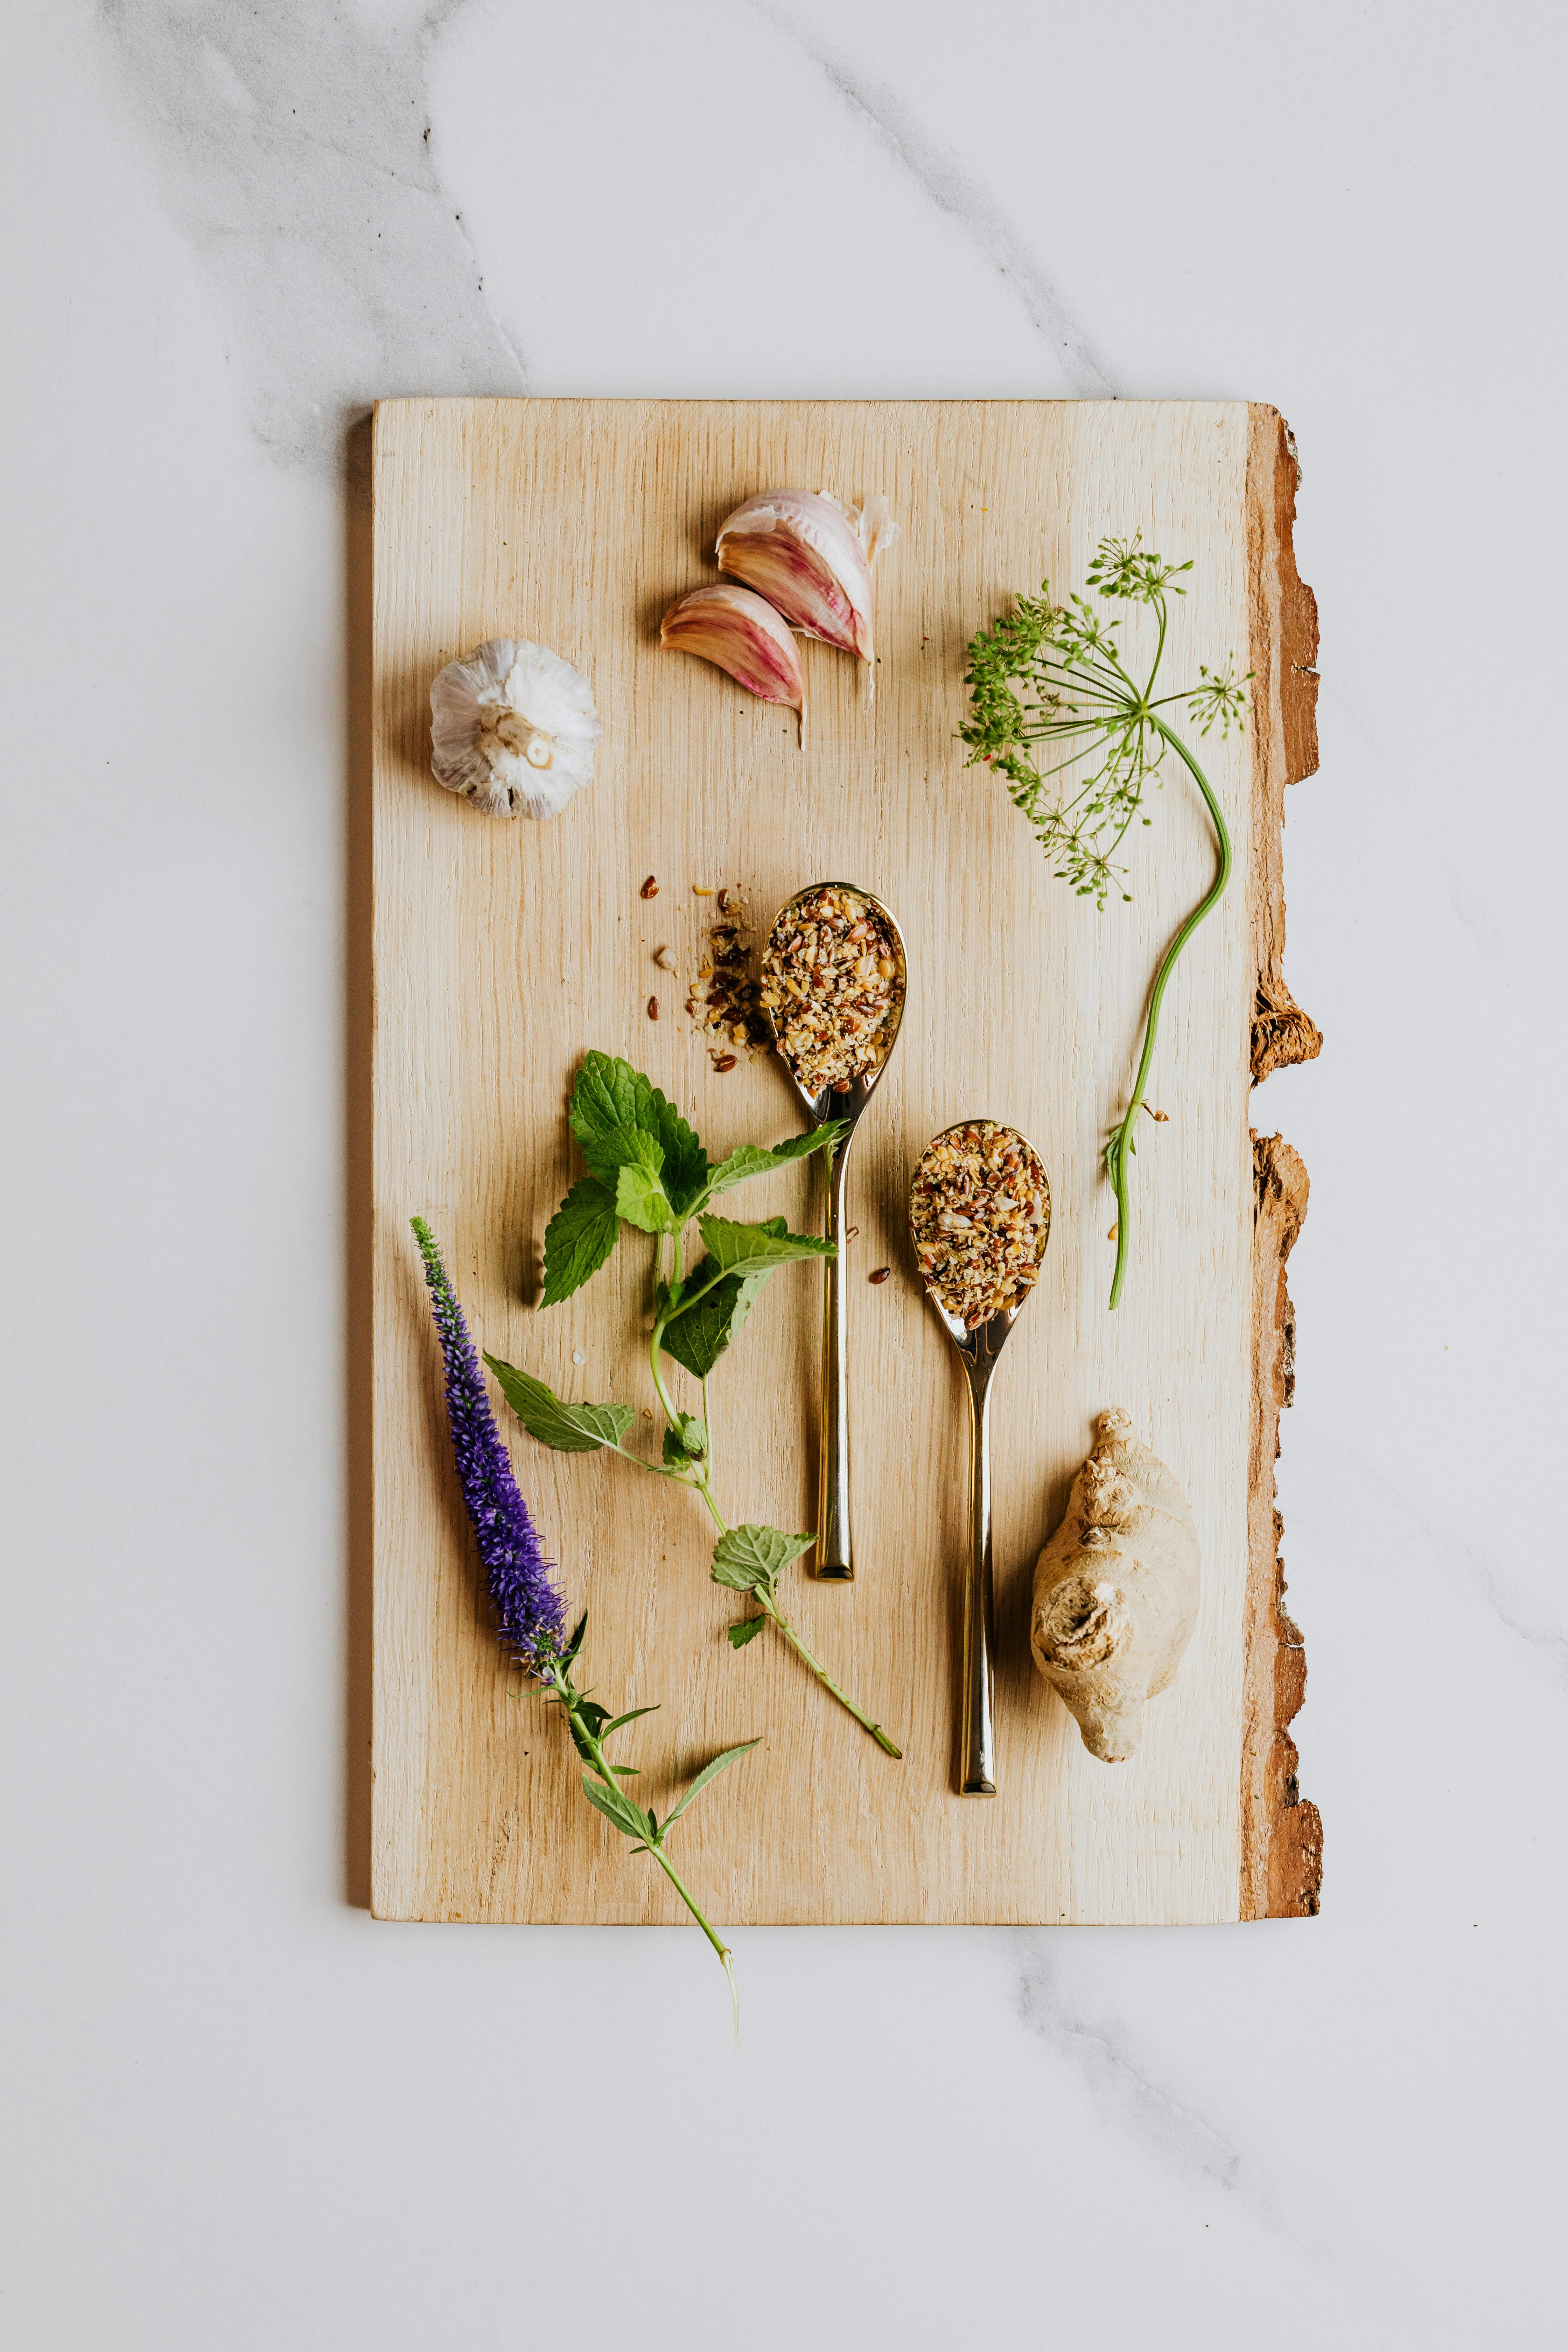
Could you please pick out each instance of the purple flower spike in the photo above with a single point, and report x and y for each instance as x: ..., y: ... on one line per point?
x: 530, y: 1613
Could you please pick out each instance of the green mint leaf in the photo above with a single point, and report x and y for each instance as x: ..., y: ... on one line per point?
x: 686, y: 1443
x: 708, y: 1772
x: 750, y: 1160
x: 604, y: 1112
x: 618, y: 1113
x: 640, y: 1198
x: 578, y: 1239
x: 618, y: 1807
x: 746, y: 1631
x: 748, y: 1559
x: 569, y: 1428
x: 756, y: 1249
x: 698, y: 1338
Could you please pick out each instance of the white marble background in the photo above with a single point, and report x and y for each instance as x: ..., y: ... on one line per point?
x: 242, y: 2115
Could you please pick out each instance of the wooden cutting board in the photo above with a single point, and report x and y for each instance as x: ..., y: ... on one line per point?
x: 502, y: 951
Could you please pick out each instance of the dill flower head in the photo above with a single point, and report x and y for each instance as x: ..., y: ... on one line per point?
x: 531, y: 1613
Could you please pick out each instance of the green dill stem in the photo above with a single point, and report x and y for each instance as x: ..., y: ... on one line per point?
x: 823, y: 1676
x: 1222, y: 875
x: 572, y: 1701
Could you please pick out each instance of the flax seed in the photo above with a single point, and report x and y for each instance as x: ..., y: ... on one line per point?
x: 980, y: 1213
x: 834, y: 985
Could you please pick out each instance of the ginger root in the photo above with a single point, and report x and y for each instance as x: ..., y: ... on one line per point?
x: 1116, y: 1590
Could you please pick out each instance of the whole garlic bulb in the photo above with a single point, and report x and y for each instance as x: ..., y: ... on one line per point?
x: 514, y: 728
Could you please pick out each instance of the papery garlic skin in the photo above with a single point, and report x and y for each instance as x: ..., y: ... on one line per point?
x: 743, y: 635
x: 514, y: 728
x: 811, y: 557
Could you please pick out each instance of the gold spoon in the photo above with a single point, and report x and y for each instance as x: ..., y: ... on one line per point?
x: 979, y: 1343
x: 835, y: 1551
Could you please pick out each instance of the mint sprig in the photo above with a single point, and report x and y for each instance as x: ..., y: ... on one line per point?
x: 647, y: 1169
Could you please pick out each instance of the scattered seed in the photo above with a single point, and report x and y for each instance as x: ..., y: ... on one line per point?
x: 650, y: 887
x: 724, y: 1062
x: 702, y: 891
x: 881, y: 1274
x: 665, y: 960
x: 652, y: 1008
x: 725, y: 989
x: 1115, y: 1229
x: 578, y: 1356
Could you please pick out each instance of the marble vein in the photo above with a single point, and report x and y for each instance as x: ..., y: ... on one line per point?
x: 962, y: 200
x: 1186, y: 2141
x: 294, y: 147
x: 1393, y: 1526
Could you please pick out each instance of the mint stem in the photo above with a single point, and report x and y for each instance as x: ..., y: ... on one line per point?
x: 823, y: 1676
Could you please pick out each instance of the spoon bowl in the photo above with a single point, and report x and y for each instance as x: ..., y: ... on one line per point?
x: 980, y: 1343
x: 835, y: 1551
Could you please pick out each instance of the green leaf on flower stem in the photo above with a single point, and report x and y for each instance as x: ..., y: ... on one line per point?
x: 750, y: 1160
x: 618, y: 1113
x: 576, y: 1643
x: 756, y: 1249
x: 687, y: 1442
x: 578, y: 1239
x: 708, y: 1772
x: 746, y: 1631
x: 569, y: 1428
x: 640, y: 1198
x: 618, y: 1807
x: 630, y: 1716
x: 748, y: 1559
x: 698, y: 1338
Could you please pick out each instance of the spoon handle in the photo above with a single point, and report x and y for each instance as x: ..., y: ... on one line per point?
x: 834, y: 1559
x: 977, y: 1772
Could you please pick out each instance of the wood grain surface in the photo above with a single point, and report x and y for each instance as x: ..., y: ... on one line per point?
x: 502, y: 951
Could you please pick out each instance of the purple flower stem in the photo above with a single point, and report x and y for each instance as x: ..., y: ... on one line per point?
x: 529, y: 1605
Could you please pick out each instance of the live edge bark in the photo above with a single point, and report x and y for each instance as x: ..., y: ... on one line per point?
x: 1281, y: 1832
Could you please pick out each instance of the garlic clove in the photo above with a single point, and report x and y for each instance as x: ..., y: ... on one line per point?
x: 514, y: 728
x: 743, y: 635
x: 811, y: 557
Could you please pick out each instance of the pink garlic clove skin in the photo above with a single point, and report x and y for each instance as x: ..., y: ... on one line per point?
x: 1116, y: 1590
x: 743, y: 635
x: 805, y: 552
